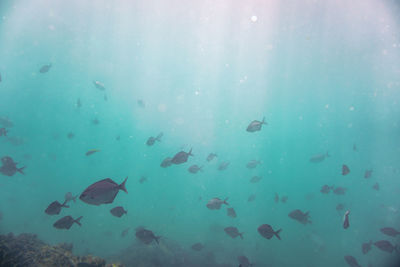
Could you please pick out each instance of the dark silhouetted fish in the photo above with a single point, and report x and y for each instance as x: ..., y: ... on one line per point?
x: 118, y: 211
x: 3, y: 132
x: 146, y: 236
x: 351, y: 261
x: 346, y: 222
x: 299, y: 216
x: 385, y: 245
x: 66, y: 222
x: 102, y: 192
x: 389, y: 231
x: 231, y: 212
x: 70, y: 135
x: 92, y: 151
x: 376, y: 186
x: 366, y: 247
x: 255, y: 125
x: 99, y: 85
x: 125, y: 232
x: 181, y: 157
x: 143, y: 179
x: 325, y: 189
x: 339, y: 190
x: 215, y: 203
x: 9, y: 167
x: 152, y: 139
x: 345, y: 169
x: 6, y: 122
x: 223, y: 165
x: 166, y: 162
x: 255, y: 179
x: 244, y: 261
x: 233, y: 232
x: 267, y: 232
x: 55, y: 208
x: 45, y: 68
x: 284, y: 199
x: 252, y: 164
x: 319, y: 157
x: 368, y: 174
x: 195, y: 168
x: 211, y: 156
x: 251, y: 198
x: 276, y: 198
x: 197, y: 246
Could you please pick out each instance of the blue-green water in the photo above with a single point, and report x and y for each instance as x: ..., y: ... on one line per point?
x: 325, y: 74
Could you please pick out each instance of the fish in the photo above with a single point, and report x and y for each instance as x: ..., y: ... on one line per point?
x: 118, y: 211
x: 385, y: 245
x: 251, y: 198
x: 166, y: 162
x: 68, y: 197
x: 211, y: 156
x: 9, y: 167
x: 244, y: 261
x: 266, y: 231
x: 92, y: 151
x: 146, y: 236
x: 215, y: 203
x: 366, y: 247
x: 194, y: 169
x: 181, y: 157
x: 255, y: 125
x: 55, y: 208
x: 345, y: 169
x: 255, y: 179
x: 45, y: 68
x: 368, y: 174
x: 276, y: 198
x: 6, y: 122
x: 319, y: 157
x: 66, y: 222
x: 346, y: 222
x: 99, y: 85
x: 197, y: 246
x: 3, y: 132
x: 339, y: 190
x: 351, y: 261
x: 223, y: 165
x: 125, y: 232
x: 231, y: 212
x: 142, y: 179
x: 152, y: 139
x: 376, y: 186
x: 390, y: 231
x: 284, y: 199
x: 339, y: 207
x: 325, y: 189
x: 233, y: 232
x: 70, y: 135
x: 252, y: 164
x: 302, y: 217
x: 78, y: 103
x: 355, y: 147
x: 102, y: 192
x: 95, y: 121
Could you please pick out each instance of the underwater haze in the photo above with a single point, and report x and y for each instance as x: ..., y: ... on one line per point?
x: 298, y: 100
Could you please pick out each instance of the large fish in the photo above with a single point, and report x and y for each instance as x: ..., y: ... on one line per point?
x: 66, y: 222
x: 255, y: 125
x: 233, y: 232
x: 9, y: 167
x: 267, y: 232
x: 181, y: 157
x: 244, y: 261
x: 351, y: 261
x: 102, y: 192
x: 385, y: 245
x: 166, y: 162
x: 118, y: 211
x: 146, y: 236
x: 319, y: 157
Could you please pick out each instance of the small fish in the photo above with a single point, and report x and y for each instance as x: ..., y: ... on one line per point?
x: 181, y: 157
x: 99, y: 85
x: 66, y: 222
x: 95, y: 121
x: 152, y: 139
x: 146, y: 236
x: 215, y: 203
x: 339, y: 190
x: 267, y: 232
x: 102, y: 192
x: 319, y: 157
x: 233, y: 232
x: 276, y: 198
x: 45, y: 68
x: 195, y: 168
x: 255, y: 179
x: 166, y: 162
x: 9, y: 167
x: 345, y: 170
x: 325, y: 189
x: 385, y: 245
x: 390, y: 231
x: 252, y: 164
x: 118, y: 211
x: 78, y: 103
x: 197, y: 246
x: 346, y: 222
x: 339, y: 207
x: 55, y: 207
x: 3, y: 132
x: 231, y: 212
x: 368, y: 174
x: 223, y: 166
x: 68, y: 197
x: 302, y: 217
x: 351, y: 261
x: 143, y: 179
x: 125, y: 232
x: 70, y: 135
x: 366, y: 247
x: 244, y: 261
x: 92, y: 151
x: 284, y: 199
x: 251, y: 198
x: 211, y: 156
x: 376, y: 186
x: 255, y: 125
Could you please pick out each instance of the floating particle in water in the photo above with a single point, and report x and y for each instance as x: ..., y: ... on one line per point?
x: 254, y: 18
x: 351, y: 108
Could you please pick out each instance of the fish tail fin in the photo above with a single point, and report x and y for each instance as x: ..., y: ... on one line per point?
x: 277, y: 234
x: 65, y: 204
x: 74, y: 198
x: 263, y: 121
x: 327, y: 154
x: 21, y: 170
x: 122, y: 186
x: 190, y: 152
x: 225, y: 201
x: 241, y: 235
x: 77, y: 221
x: 158, y: 138
x: 157, y: 239
x: 126, y: 212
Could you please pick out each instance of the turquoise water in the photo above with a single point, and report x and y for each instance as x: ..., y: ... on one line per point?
x: 325, y: 74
